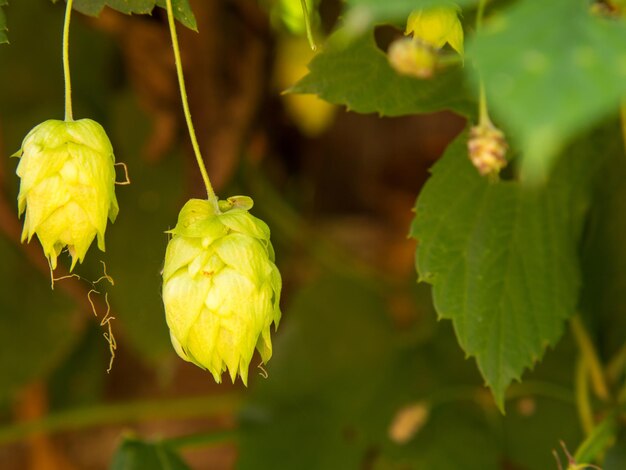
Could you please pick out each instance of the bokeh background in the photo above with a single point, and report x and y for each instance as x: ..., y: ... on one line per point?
x: 363, y: 375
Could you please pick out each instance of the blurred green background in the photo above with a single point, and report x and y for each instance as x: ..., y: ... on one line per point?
x: 363, y: 375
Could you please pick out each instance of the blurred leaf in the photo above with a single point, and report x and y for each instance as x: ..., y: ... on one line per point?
x: 182, y: 9
x: 340, y: 374
x: 37, y: 324
x: 138, y: 455
x: 136, y: 242
x: 3, y: 23
x: 358, y: 75
x: 79, y: 381
x: 565, y: 73
x: 503, y: 258
x: 603, y: 297
x: 602, y: 437
x: 361, y: 14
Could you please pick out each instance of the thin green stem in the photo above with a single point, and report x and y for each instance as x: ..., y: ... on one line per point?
x: 307, y: 25
x: 590, y: 357
x: 585, y: 412
x: 480, y: 13
x: 183, y: 95
x: 66, y: 61
x: 121, y: 413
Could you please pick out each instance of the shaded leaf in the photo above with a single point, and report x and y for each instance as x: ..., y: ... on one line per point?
x: 553, y: 80
x: 182, y: 9
x: 137, y: 455
x: 503, y: 258
x: 358, y: 75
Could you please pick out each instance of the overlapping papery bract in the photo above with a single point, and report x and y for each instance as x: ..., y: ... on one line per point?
x: 67, y: 186
x: 221, y: 288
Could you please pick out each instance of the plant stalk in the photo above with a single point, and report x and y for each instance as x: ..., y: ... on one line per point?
x: 66, y: 61
x: 183, y: 95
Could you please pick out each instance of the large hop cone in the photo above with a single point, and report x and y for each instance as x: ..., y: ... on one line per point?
x: 67, y: 186
x: 221, y: 288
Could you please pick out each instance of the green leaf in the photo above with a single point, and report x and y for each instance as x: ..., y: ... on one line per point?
x: 182, y: 9
x: 37, y: 325
x: 361, y: 14
x: 553, y: 80
x: 137, y: 455
x: 358, y: 75
x: 602, y: 437
x: 502, y: 257
x: 3, y: 23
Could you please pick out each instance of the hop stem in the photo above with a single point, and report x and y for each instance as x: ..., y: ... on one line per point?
x: 183, y: 95
x: 307, y: 25
x: 66, y: 62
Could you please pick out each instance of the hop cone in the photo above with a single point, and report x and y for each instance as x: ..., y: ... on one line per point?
x: 67, y: 186
x: 221, y: 288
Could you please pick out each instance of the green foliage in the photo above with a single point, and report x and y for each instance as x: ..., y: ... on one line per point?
x: 137, y: 455
x: 358, y: 75
x: 182, y: 9
x: 552, y: 80
x: 502, y: 258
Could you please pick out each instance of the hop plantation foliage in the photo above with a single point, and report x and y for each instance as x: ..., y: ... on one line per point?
x: 508, y: 353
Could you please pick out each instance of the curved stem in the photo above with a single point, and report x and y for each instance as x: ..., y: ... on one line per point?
x: 66, y: 62
x: 121, y: 413
x: 307, y: 25
x: 590, y: 358
x: 183, y: 95
x: 480, y: 13
x: 585, y: 412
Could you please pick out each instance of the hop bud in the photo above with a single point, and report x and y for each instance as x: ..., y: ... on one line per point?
x: 409, y: 57
x: 437, y: 26
x: 67, y: 186
x: 487, y: 149
x: 221, y: 288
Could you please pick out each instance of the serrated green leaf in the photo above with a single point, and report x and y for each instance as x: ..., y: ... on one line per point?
x: 3, y: 24
x: 137, y: 455
x: 182, y: 9
x: 553, y: 80
x: 358, y: 75
x: 503, y: 257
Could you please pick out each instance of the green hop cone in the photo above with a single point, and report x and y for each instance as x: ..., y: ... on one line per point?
x: 67, y: 186
x: 221, y: 288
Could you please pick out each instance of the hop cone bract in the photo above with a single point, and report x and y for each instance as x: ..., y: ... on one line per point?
x: 67, y: 186
x: 221, y: 288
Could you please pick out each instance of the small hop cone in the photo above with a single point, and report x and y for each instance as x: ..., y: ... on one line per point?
x: 221, y: 288
x: 436, y: 27
x: 67, y: 186
x: 487, y: 149
x: 412, y: 58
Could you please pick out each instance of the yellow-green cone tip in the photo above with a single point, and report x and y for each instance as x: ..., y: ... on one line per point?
x: 67, y: 186
x: 221, y: 288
